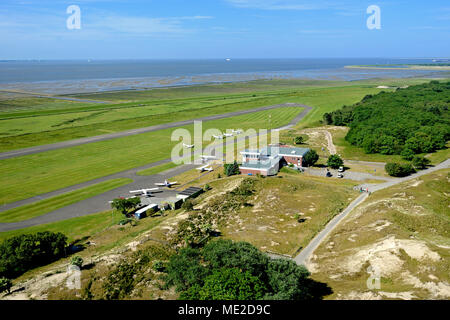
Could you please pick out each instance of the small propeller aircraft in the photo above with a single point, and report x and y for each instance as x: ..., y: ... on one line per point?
x: 237, y: 131
x: 189, y: 146
x: 208, y: 157
x: 145, y: 192
x: 228, y: 134
x: 166, y: 184
x: 218, y: 137
x: 205, y: 168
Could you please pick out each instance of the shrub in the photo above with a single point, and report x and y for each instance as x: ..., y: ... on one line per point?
x: 399, y: 170
x: 298, y: 140
x: 5, y: 285
x: 231, y: 169
x: 420, y: 163
x: 188, y: 205
x: 206, y: 187
x: 76, y: 261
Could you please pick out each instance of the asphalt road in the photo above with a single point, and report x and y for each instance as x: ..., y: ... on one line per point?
x: 77, y: 142
x: 100, y: 203
x: 305, y: 255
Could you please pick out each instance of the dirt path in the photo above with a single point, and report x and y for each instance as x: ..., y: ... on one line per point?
x: 331, y: 146
x: 305, y: 254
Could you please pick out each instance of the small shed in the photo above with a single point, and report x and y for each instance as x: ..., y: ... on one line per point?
x: 142, y: 213
x: 190, y: 192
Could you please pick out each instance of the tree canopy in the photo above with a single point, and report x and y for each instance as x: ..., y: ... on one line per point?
x: 27, y: 251
x: 408, y: 121
x: 226, y: 270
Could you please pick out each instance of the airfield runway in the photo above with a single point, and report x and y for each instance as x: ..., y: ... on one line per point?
x: 77, y: 142
x: 100, y: 203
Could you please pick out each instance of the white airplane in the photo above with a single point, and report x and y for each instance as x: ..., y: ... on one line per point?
x: 227, y: 134
x: 166, y: 184
x: 218, y: 137
x: 189, y: 146
x: 205, y: 168
x: 237, y: 131
x: 145, y: 192
x: 208, y: 157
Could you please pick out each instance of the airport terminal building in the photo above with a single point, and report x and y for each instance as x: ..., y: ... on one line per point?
x: 268, y: 161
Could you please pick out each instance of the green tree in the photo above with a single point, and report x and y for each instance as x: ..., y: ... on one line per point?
x: 399, y: 170
x: 420, y: 163
x: 184, y: 269
x: 228, y: 284
x: 298, y: 140
x: 5, y: 285
x: 310, y: 158
x: 76, y: 261
x: 407, y: 154
x: 334, y: 161
x: 27, y: 251
x: 231, y: 169
x: 125, y: 205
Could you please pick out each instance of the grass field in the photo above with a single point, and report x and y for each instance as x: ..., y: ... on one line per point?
x: 48, y: 171
x: 48, y: 205
x: 403, y: 232
x: 44, y: 121
x: 157, y: 169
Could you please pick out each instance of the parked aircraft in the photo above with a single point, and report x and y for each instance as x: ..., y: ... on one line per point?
x: 145, y: 192
x: 166, y: 184
x: 218, y: 137
x: 189, y: 146
x: 205, y: 168
x: 227, y: 134
x: 237, y: 131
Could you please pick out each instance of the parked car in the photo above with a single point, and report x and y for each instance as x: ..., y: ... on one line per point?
x: 340, y: 175
x: 329, y: 174
x: 341, y: 169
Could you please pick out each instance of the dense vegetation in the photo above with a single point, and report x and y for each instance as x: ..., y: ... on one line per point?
x: 409, y: 121
x: 25, y: 252
x: 224, y: 270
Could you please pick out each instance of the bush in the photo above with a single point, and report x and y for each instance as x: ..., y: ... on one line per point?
x: 334, y: 161
x: 159, y: 266
x: 206, y: 187
x: 76, y: 261
x: 125, y: 205
x: 298, y: 140
x: 420, y: 163
x: 188, y: 205
x: 231, y: 169
x: 28, y: 251
x: 399, y: 170
x: 5, y: 285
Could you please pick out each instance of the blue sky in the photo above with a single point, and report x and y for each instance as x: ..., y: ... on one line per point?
x: 159, y: 29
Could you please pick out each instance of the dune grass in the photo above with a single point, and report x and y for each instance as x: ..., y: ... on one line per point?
x: 48, y: 205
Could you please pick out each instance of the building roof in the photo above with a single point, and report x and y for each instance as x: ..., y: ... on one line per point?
x: 278, y: 151
x: 190, y: 191
x: 262, y: 164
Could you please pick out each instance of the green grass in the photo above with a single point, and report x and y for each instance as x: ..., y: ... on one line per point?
x: 45, y: 124
x: 53, y: 170
x: 74, y: 228
x: 48, y: 205
x: 157, y: 169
